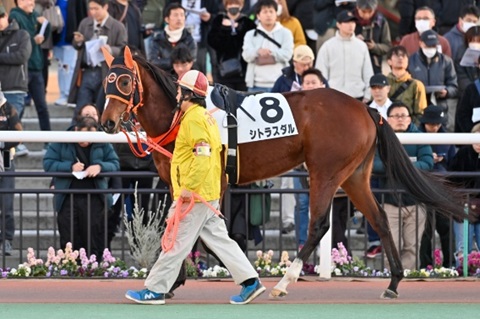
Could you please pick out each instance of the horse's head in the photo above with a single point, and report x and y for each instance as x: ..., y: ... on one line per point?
x: 123, y: 89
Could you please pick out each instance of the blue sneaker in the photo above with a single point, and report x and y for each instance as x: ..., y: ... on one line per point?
x: 146, y: 297
x: 248, y: 293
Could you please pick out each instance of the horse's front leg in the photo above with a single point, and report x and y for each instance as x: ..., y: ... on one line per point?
x: 293, y: 272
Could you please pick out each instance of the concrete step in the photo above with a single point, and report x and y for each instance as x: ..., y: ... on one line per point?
x: 33, y: 161
x: 32, y: 182
x: 56, y: 123
x: 33, y: 202
x: 54, y: 111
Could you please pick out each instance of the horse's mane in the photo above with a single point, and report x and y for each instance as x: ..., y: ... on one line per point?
x: 161, y: 78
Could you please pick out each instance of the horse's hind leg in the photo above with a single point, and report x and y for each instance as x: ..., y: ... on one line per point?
x: 357, y: 187
x: 319, y: 225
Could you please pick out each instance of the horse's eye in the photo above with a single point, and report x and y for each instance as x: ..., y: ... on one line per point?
x: 124, y: 84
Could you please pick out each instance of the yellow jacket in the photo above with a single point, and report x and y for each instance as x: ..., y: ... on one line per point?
x: 294, y: 25
x: 196, y: 162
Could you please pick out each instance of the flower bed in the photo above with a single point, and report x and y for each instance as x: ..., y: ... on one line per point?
x: 76, y: 264
x: 71, y: 263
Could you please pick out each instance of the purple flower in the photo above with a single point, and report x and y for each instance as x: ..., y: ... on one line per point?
x: 63, y: 272
x: 106, y: 274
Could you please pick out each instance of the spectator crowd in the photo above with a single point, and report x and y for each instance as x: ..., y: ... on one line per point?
x: 424, y: 79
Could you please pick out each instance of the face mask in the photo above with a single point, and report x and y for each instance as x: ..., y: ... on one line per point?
x: 429, y: 52
x: 422, y: 25
x: 279, y: 10
x: 467, y: 25
x: 234, y: 10
x: 474, y: 46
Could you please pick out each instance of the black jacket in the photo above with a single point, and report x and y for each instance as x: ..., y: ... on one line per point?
x: 132, y: 22
x: 228, y: 45
x: 466, y: 160
x: 16, y: 49
x: 76, y: 11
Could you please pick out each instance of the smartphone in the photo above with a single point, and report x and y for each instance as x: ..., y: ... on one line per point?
x: 6, y: 159
x: 441, y: 154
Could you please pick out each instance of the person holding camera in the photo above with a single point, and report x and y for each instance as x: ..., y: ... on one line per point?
x: 9, y: 121
x: 373, y: 29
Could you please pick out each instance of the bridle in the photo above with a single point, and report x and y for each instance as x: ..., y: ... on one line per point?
x: 133, y: 98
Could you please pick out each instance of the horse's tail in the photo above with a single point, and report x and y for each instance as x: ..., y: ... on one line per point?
x: 432, y: 190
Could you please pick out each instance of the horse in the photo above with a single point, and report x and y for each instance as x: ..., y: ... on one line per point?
x: 337, y: 139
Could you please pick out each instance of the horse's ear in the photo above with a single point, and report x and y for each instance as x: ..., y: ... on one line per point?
x: 108, y: 57
x: 127, y: 54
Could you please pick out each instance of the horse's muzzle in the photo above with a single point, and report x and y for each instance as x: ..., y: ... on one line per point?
x: 109, y: 126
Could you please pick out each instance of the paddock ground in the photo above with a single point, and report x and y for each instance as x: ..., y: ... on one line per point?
x: 308, y: 298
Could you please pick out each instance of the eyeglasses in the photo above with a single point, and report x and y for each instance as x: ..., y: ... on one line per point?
x: 422, y: 18
x: 399, y: 117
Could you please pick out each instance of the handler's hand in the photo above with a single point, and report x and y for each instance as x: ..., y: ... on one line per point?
x: 186, y: 195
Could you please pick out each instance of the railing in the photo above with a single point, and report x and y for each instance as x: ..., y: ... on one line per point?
x: 45, y: 233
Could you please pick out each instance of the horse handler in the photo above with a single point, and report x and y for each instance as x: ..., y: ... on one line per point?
x: 196, y: 179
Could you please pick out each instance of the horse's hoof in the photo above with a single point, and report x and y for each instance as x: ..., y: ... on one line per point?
x: 277, y: 293
x: 389, y: 294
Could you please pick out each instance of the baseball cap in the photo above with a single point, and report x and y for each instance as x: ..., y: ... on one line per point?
x: 430, y: 38
x: 303, y: 53
x: 378, y: 80
x: 433, y: 114
x: 345, y: 16
x: 2, y: 10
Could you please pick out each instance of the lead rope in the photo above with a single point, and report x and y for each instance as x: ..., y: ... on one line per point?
x: 171, y: 231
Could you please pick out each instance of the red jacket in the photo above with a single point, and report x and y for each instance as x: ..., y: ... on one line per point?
x: 412, y: 43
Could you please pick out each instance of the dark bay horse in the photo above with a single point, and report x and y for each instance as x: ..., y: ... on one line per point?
x: 337, y: 138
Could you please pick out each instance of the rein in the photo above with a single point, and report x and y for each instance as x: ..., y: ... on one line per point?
x: 171, y: 231
x: 136, y: 93
x: 155, y: 143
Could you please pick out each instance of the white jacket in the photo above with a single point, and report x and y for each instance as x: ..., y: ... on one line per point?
x: 266, y: 75
x: 346, y: 64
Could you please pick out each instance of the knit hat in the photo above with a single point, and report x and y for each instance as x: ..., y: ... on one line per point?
x: 303, y: 53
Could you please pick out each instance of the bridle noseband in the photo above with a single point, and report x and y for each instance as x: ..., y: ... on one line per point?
x: 133, y: 98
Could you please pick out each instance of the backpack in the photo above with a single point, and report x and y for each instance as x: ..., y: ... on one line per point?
x: 55, y: 18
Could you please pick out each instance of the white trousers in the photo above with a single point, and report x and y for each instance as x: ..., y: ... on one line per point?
x: 200, y: 222
x: 288, y: 202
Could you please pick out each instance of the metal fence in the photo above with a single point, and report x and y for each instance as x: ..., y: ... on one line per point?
x: 36, y: 221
